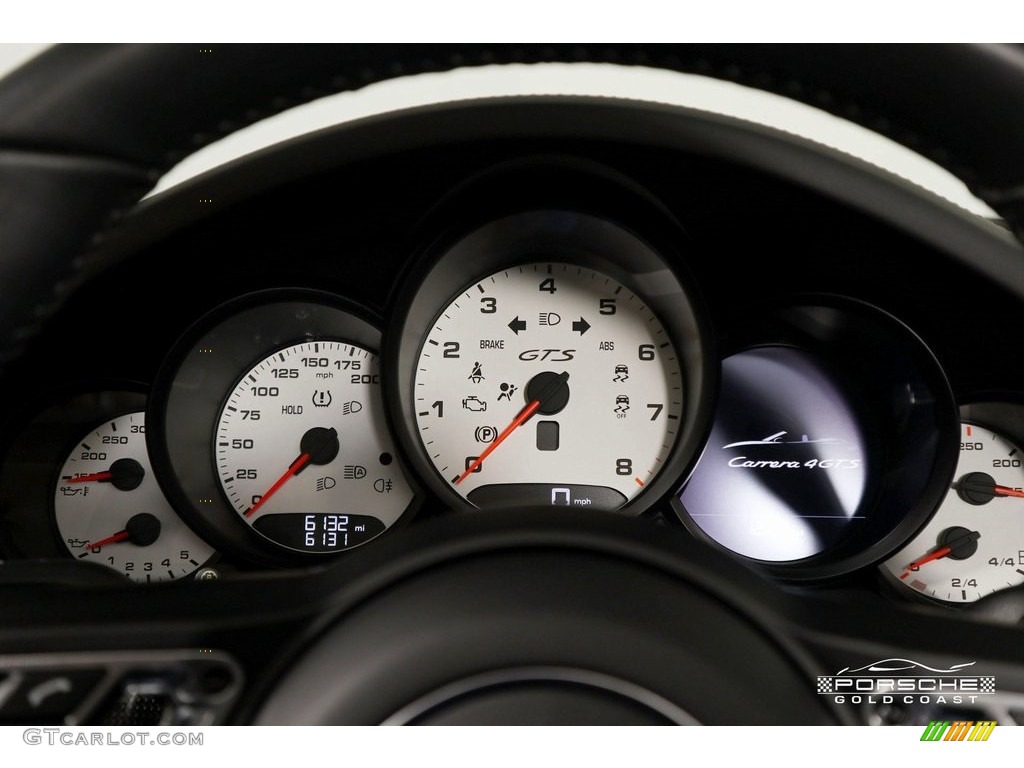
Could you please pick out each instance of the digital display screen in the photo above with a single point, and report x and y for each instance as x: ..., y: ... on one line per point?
x: 784, y: 473
x: 319, y: 531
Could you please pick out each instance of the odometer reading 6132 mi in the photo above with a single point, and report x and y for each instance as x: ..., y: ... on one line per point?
x: 548, y: 384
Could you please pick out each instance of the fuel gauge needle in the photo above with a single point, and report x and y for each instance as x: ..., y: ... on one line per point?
x: 938, y: 554
x: 956, y: 542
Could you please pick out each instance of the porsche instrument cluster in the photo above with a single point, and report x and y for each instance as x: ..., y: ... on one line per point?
x: 537, y: 357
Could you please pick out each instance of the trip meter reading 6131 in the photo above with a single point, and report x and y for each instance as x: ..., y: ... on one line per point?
x: 551, y: 384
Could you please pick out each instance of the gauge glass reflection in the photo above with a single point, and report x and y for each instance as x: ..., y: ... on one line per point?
x: 785, y: 471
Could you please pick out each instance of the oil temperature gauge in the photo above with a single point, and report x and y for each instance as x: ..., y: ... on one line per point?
x: 110, y: 510
x: 974, y: 544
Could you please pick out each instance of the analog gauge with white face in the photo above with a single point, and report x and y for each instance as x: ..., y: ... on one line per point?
x: 303, y: 453
x: 110, y: 510
x: 548, y: 384
x: 974, y: 544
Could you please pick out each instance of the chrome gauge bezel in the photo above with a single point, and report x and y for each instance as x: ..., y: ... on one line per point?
x: 197, y: 377
x: 565, y: 236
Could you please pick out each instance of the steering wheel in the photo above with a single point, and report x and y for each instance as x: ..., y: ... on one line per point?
x: 512, y: 618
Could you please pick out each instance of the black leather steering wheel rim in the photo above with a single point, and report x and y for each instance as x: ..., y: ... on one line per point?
x: 86, y: 130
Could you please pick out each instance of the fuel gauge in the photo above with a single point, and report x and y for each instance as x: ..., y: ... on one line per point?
x: 974, y: 544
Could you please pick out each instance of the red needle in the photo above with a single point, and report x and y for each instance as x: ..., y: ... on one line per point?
x: 294, y: 467
x: 96, y: 477
x: 548, y: 391
x: 938, y: 554
x: 517, y: 422
x: 1002, y: 490
x: 119, y: 536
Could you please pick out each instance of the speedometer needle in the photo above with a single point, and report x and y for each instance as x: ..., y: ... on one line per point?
x: 293, y: 468
x: 552, y: 388
x: 319, y: 446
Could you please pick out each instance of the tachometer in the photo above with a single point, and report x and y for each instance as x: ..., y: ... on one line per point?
x: 548, y: 383
x: 575, y: 381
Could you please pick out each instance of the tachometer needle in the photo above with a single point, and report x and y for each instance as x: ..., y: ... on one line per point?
x: 521, y: 418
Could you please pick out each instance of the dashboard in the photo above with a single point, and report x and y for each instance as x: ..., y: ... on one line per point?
x: 283, y: 372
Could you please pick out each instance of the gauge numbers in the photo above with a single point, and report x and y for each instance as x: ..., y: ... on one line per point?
x: 548, y: 384
x: 110, y: 510
x: 974, y: 544
x: 302, y: 449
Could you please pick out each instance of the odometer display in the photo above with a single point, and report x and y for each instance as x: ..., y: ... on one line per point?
x: 550, y: 384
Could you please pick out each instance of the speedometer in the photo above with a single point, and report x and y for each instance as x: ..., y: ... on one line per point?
x: 269, y: 429
x: 578, y: 380
x: 303, y: 453
x: 548, y: 383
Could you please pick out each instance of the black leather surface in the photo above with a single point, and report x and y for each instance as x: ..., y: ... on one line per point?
x: 962, y: 105
x: 149, y: 106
